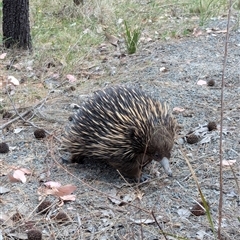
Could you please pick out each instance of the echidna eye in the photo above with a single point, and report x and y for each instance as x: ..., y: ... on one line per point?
x: 156, y: 155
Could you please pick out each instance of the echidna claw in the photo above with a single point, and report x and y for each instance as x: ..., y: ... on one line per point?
x: 143, y: 178
x: 165, y: 164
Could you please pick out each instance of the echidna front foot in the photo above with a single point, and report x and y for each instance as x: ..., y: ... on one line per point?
x: 144, y: 177
x: 77, y: 159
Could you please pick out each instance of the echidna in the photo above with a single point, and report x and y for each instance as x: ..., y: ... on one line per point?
x: 124, y: 127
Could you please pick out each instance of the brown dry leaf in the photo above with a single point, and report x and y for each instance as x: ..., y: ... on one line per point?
x: 228, y: 162
x: 112, y: 39
x: 178, y: 109
x: 52, y: 184
x: 17, y: 176
x: 3, y: 55
x: 65, y: 190
x: 17, y: 66
x: 198, y: 208
x: 46, y: 191
x: 68, y: 197
x: 71, y: 78
x: 197, y: 32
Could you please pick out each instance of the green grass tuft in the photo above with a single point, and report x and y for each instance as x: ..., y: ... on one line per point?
x: 131, y: 38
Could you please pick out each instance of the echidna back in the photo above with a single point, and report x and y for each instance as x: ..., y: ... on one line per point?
x: 118, y: 125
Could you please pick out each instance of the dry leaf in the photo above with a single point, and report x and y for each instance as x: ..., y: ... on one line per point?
x: 163, y: 69
x: 17, y: 66
x: 52, y: 184
x: 112, y: 39
x: 115, y: 200
x: 178, y: 109
x: 13, y: 80
x: 68, y: 197
x: 4, y: 190
x: 221, y: 31
x: 215, y: 30
x: 197, y: 32
x: 18, y: 175
x: 228, y: 162
x: 143, y: 221
x: 201, y: 82
x: 18, y: 130
x: 46, y: 191
x: 198, y: 208
x: 65, y: 190
x: 3, y: 55
x: 71, y: 78
x: 145, y: 39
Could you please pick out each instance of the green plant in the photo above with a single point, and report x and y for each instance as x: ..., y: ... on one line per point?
x: 131, y: 38
x: 207, y: 9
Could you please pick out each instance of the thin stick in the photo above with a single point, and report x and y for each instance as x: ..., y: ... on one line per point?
x: 164, y: 235
x: 21, y: 116
x: 221, y: 123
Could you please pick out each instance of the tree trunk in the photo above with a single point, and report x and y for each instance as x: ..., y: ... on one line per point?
x: 16, y: 27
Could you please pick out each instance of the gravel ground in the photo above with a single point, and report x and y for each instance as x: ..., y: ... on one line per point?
x: 169, y: 71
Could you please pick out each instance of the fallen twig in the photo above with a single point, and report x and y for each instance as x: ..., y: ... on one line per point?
x: 21, y: 116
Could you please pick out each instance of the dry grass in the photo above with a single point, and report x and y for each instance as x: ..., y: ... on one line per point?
x: 70, y: 34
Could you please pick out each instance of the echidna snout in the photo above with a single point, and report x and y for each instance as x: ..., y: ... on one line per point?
x: 165, y: 164
x: 123, y: 126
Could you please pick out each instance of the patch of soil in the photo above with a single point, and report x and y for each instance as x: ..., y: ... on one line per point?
x: 170, y: 72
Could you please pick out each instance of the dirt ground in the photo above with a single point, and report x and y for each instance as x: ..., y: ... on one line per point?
x: 170, y: 72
